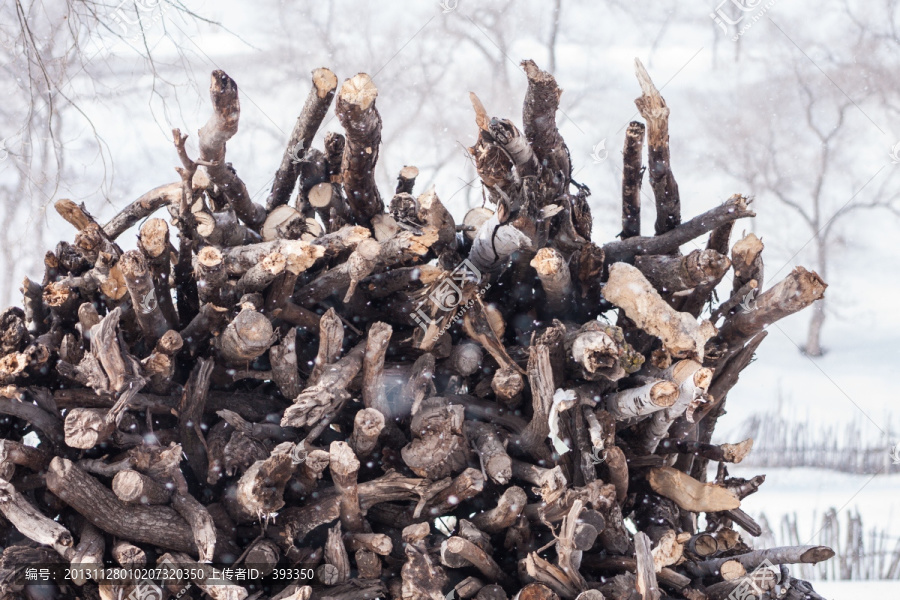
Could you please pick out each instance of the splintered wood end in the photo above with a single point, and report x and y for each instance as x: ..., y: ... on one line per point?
x: 481, y: 116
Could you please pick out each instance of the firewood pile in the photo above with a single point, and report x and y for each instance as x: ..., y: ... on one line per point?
x: 364, y: 399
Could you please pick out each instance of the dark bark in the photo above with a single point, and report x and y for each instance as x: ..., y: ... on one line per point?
x: 632, y: 176
x: 314, y: 111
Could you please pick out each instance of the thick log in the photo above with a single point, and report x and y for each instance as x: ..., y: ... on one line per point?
x: 153, y: 241
x: 438, y: 448
x: 495, y: 241
x: 259, y: 276
x: 240, y: 259
x: 746, y: 256
x: 367, y: 425
x: 356, y: 110
x: 692, y: 380
x: 632, y: 177
x: 680, y: 333
x: 556, y: 280
x: 139, y: 280
x: 324, y: 83
x: 373, y: 389
x: 31, y: 523
x: 752, y: 560
x: 89, y: 551
x: 200, y: 521
x: 736, y: 207
x: 460, y: 549
x: 509, y: 506
x: 539, y: 118
x: 318, y: 400
x: 654, y: 110
x: 690, y: 494
x: 647, y: 585
x: 248, y: 336
x: 344, y: 469
x: 644, y: 400
x: 670, y: 274
x: 335, y: 556
x: 533, y: 440
x: 133, y: 487
x: 600, y: 352
x: 284, y: 365
x: 156, y: 525
x: 86, y: 427
x: 260, y: 490
x: 491, y: 451
x: 432, y: 213
x: 129, y: 555
x: 221, y: 127
x: 793, y: 293
x: 421, y: 576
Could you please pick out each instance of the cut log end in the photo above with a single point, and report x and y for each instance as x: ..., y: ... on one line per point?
x: 664, y: 394
x: 210, y: 257
x: 548, y: 262
x: 735, y: 453
x: 359, y: 91
x: 86, y: 427
x: 321, y: 194
x: 325, y: 81
x: 154, y: 237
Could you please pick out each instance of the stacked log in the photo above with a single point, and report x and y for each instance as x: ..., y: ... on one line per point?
x: 358, y: 397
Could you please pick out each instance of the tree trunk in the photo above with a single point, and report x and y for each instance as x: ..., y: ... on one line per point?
x: 813, y: 345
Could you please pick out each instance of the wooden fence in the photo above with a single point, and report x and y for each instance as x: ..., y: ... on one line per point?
x: 859, y: 446
x: 860, y: 553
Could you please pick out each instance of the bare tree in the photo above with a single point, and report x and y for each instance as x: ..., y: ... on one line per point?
x: 47, y: 47
x: 796, y: 138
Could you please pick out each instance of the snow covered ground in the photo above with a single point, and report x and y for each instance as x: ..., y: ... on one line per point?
x: 855, y: 590
x: 808, y: 493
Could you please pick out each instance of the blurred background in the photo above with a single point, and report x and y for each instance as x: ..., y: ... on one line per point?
x: 793, y: 103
